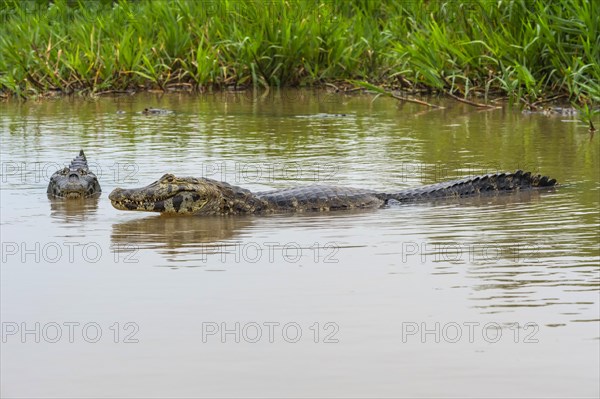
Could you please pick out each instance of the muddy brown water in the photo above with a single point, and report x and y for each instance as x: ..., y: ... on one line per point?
x: 479, y: 297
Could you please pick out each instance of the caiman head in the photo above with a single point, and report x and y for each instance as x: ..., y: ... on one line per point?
x: 75, y: 181
x: 183, y: 195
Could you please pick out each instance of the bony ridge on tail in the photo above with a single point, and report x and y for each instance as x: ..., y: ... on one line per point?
x: 201, y: 196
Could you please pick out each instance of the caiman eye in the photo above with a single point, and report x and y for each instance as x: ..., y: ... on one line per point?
x: 82, y: 172
x: 169, y: 178
x: 64, y: 171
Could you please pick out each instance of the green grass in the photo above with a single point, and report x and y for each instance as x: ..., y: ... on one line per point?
x: 527, y: 50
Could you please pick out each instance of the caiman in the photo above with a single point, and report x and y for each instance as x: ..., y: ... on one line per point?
x: 201, y: 196
x: 157, y: 111
x: 553, y: 111
x: 74, y: 181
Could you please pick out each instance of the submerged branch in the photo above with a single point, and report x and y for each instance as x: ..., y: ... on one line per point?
x: 384, y: 92
x: 479, y: 105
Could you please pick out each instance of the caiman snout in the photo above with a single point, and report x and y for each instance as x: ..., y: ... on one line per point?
x: 121, y: 194
x: 115, y: 194
x: 135, y: 200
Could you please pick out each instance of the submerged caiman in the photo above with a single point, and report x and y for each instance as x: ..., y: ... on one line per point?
x: 201, y: 196
x: 74, y: 181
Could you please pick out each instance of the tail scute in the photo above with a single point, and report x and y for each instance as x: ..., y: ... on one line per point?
x: 80, y: 161
x: 497, y: 182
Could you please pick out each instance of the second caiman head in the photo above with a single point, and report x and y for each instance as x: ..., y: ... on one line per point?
x: 75, y: 181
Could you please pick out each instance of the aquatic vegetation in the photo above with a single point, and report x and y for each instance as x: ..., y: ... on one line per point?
x: 586, y: 115
x: 524, y: 49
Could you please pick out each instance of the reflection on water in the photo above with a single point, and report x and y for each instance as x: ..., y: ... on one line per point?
x: 528, y: 257
x: 73, y: 209
x: 178, y: 237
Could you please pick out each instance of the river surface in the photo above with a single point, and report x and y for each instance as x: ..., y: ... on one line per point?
x: 482, y: 297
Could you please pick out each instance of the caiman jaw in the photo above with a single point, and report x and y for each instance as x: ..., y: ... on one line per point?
x: 185, y: 200
x: 167, y: 195
x: 120, y: 199
x: 72, y: 194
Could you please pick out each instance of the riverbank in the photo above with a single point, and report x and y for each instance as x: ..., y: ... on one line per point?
x: 528, y: 51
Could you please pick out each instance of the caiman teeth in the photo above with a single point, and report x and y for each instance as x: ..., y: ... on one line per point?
x: 141, y: 202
